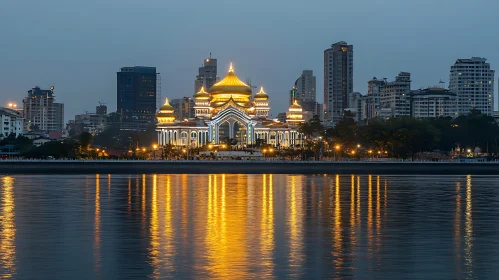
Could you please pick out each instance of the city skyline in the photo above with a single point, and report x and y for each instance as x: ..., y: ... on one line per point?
x: 84, y: 73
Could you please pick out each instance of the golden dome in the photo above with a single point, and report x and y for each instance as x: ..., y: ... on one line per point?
x: 202, y: 94
x: 166, y: 113
x: 295, y: 106
x: 230, y: 85
x: 261, y: 95
x: 166, y: 106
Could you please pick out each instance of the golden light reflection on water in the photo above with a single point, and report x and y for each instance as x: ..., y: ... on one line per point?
x: 295, y: 225
x: 235, y: 224
x: 161, y: 232
x: 154, y: 229
x: 97, y: 225
x: 226, y: 233
x: 468, y: 230
x: 369, y: 215
x: 457, y: 227
x: 7, y: 230
x: 337, y: 228
x: 267, y: 227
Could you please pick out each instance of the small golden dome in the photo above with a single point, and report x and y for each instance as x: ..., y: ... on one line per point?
x: 230, y: 85
x: 295, y: 106
x: 261, y: 95
x: 202, y: 94
x: 166, y: 106
x: 166, y: 113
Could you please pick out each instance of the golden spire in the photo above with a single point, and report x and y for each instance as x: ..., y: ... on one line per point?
x: 166, y: 101
x: 231, y: 69
x: 202, y: 90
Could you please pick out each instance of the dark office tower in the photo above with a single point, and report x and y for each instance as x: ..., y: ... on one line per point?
x: 338, y: 80
x: 136, y: 94
x: 207, y: 76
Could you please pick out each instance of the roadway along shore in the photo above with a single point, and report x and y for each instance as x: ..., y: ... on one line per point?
x: 243, y: 167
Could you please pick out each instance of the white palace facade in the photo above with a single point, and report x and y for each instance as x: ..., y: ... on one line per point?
x: 229, y: 110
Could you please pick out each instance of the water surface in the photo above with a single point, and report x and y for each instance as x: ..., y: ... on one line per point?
x: 249, y: 226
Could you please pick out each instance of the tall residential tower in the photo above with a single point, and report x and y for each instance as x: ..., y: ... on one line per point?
x: 305, y: 87
x: 473, y: 82
x: 207, y: 76
x: 338, y: 80
x: 41, y: 112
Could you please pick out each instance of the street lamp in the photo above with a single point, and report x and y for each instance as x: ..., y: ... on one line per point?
x: 336, y: 149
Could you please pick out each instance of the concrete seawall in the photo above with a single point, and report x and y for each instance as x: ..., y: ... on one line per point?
x: 245, y: 167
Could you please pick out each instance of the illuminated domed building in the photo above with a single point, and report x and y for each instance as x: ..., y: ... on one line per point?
x: 229, y: 110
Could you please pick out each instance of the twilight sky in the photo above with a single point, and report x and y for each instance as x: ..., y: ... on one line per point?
x: 78, y: 46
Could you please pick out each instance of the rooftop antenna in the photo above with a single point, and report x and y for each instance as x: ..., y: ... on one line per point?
x: 442, y: 82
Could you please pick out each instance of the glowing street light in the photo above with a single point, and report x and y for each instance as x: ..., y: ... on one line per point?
x: 155, y: 146
x: 358, y: 145
x: 337, y: 147
x: 370, y: 151
x: 353, y: 152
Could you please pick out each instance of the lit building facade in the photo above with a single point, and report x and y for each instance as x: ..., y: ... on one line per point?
x: 229, y: 110
x: 11, y: 122
x: 473, y: 82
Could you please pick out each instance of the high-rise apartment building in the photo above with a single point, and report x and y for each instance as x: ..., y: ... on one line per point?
x: 433, y: 103
x: 473, y: 82
x: 305, y: 94
x: 338, y: 80
x: 373, y: 104
x: 41, y: 112
x: 183, y: 108
x: 395, y: 96
x: 207, y: 76
x: 305, y: 87
x: 136, y: 94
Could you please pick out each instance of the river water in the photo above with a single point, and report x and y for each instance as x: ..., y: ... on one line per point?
x: 249, y: 227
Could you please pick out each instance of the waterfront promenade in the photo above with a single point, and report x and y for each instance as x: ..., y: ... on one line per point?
x: 244, y: 167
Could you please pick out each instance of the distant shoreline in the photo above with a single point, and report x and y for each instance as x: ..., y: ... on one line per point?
x: 244, y: 167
